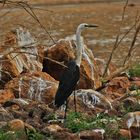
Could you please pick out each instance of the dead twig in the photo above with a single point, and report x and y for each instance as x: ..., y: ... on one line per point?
x: 124, y: 9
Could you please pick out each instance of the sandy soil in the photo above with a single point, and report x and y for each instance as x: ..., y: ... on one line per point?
x: 62, y: 20
x: 72, y: 1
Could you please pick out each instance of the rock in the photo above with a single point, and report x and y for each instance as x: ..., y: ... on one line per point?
x: 54, y: 128
x: 92, y: 98
x: 6, y: 95
x: 117, y: 87
x: 7, y: 70
x: 135, y: 82
x: 131, y: 103
x: 18, y: 127
x: 132, y: 120
x: 16, y: 103
x: 65, y: 136
x: 101, y: 64
x: 64, y: 51
x: 5, y: 115
x: 3, y: 124
x: 37, y: 86
x: 97, y: 134
x: 16, y: 124
x: 60, y: 52
x: 135, y: 78
x: 21, y: 54
x: 59, y: 133
x: 124, y: 134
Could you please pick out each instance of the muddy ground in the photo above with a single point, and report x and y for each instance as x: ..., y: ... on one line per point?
x: 62, y: 20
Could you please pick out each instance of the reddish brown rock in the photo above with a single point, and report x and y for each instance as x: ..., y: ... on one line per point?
x: 36, y: 86
x: 54, y: 128
x: 132, y: 120
x: 16, y: 124
x: 65, y: 136
x: 97, y: 134
x: 61, y: 52
x: 123, y: 133
x: 6, y: 95
x: 117, y: 87
x: 101, y: 64
x: 22, y: 54
x: 135, y: 78
x: 59, y: 133
x: 64, y: 51
x: 135, y: 82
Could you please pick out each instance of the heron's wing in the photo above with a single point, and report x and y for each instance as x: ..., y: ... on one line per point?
x: 67, y: 84
x: 69, y: 78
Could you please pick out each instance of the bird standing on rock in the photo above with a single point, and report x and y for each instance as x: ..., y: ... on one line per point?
x: 71, y: 74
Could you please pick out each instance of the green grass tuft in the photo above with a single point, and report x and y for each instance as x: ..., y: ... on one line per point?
x: 77, y: 122
x: 134, y: 71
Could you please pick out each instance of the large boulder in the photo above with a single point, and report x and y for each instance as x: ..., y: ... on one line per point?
x: 20, y: 53
x: 38, y: 86
x: 64, y: 51
x: 91, y: 68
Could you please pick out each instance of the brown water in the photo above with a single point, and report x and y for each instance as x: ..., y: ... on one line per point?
x: 62, y: 21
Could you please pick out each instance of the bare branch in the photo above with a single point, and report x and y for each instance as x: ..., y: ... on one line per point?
x: 124, y: 9
x: 117, y: 42
x: 132, y: 45
x: 30, y: 11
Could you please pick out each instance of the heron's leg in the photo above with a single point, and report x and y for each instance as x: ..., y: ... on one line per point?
x: 75, y: 102
x: 65, y: 115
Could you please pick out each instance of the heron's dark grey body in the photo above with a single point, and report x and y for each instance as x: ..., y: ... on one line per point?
x: 67, y: 83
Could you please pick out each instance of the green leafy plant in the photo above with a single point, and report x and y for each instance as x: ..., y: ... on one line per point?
x: 77, y: 122
x: 33, y: 135
x: 5, y: 135
x: 10, y: 135
x: 134, y: 71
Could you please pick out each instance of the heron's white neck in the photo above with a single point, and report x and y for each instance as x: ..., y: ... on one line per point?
x: 79, y: 47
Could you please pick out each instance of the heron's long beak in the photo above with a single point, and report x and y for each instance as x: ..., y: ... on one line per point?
x: 91, y: 25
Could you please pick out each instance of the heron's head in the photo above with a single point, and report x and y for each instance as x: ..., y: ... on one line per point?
x: 83, y: 26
